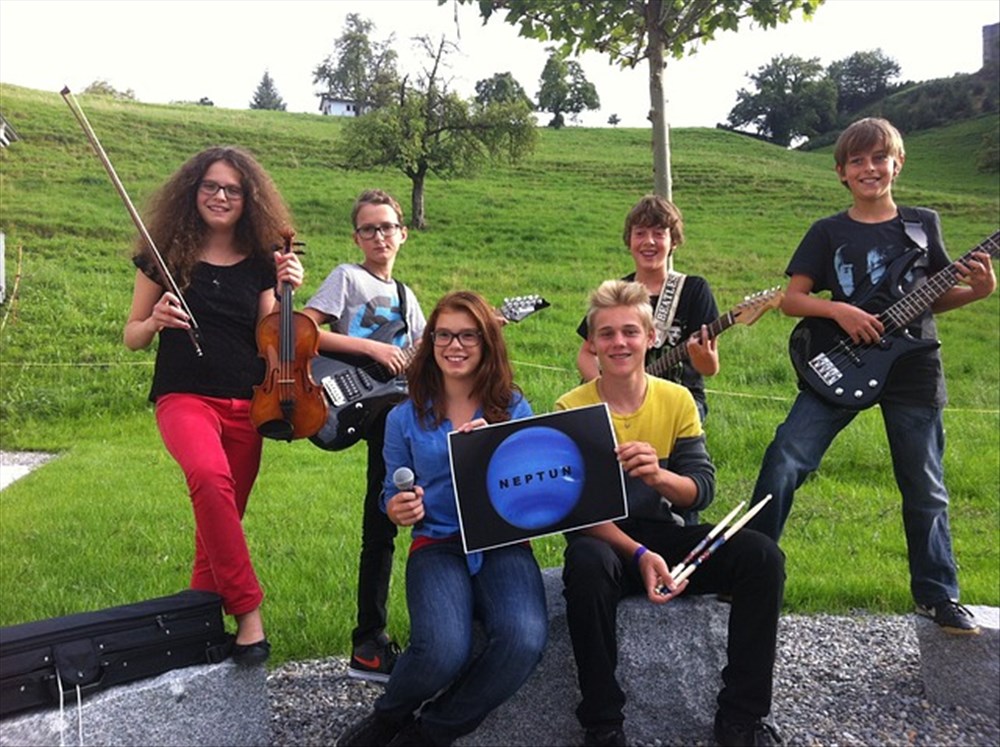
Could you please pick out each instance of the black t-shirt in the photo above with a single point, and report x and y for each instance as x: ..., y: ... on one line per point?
x: 695, y: 307
x: 224, y: 301
x: 854, y: 260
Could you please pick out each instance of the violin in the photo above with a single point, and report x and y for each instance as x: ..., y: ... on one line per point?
x: 287, y: 404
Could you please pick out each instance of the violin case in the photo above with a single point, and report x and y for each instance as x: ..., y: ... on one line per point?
x: 46, y: 662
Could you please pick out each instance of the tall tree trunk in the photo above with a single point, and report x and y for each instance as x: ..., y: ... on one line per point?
x: 417, y: 220
x: 662, y: 179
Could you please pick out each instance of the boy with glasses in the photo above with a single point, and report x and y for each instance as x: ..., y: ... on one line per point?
x: 376, y: 317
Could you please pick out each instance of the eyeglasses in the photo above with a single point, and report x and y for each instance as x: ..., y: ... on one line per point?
x: 233, y: 191
x: 467, y: 338
x: 368, y: 231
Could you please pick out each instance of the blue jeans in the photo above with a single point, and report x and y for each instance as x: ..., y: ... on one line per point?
x: 916, y: 443
x: 506, y: 596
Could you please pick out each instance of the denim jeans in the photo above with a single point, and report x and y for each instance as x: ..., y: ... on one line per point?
x: 916, y: 443
x: 506, y: 596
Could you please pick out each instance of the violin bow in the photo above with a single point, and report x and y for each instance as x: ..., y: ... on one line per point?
x: 194, y: 332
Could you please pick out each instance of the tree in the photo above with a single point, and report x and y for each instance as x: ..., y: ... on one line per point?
x: 629, y: 31
x: 862, y: 78
x: 266, y: 96
x: 501, y: 88
x: 613, y: 120
x: 101, y: 87
x: 426, y: 129
x: 359, y: 69
x: 794, y: 98
x: 565, y: 89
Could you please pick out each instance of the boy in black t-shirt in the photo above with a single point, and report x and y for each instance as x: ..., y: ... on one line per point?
x: 853, y: 254
x: 654, y: 228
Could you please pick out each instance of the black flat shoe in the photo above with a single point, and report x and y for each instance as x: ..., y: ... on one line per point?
x: 251, y: 654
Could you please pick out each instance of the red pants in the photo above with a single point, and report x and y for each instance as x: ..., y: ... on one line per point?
x: 219, y: 450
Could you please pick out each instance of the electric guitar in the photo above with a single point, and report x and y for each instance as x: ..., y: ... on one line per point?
x: 355, y: 387
x: 853, y: 375
x: 747, y: 312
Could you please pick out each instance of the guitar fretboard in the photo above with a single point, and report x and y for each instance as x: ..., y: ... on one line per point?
x: 918, y: 300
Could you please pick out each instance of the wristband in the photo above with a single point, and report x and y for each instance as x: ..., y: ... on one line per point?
x: 639, y: 552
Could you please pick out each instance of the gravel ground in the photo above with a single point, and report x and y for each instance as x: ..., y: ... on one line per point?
x: 840, y: 681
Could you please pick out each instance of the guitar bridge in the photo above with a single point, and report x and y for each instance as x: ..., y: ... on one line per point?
x: 825, y: 369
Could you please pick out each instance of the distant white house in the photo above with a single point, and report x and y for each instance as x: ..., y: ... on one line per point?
x: 335, y: 107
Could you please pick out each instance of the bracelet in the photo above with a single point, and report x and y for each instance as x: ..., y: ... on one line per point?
x: 639, y: 552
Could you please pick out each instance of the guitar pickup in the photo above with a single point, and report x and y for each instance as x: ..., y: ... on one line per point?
x: 825, y: 369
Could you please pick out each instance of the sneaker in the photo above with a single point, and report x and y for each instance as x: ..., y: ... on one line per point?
x: 609, y: 737
x: 951, y: 616
x: 373, y: 660
x: 373, y: 730
x: 414, y: 735
x: 745, y: 733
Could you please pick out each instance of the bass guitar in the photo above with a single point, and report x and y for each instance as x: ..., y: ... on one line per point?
x: 355, y: 388
x: 747, y: 312
x: 852, y: 375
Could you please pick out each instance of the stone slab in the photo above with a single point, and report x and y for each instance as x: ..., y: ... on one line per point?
x: 212, y: 704
x: 670, y: 663
x: 962, y: 670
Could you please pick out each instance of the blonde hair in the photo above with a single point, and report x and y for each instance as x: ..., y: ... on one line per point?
x: 613, y: 293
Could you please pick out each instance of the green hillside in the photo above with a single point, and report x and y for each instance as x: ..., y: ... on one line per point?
x: 550, y: 225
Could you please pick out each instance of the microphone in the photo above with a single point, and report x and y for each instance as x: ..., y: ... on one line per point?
x: 403, y: 478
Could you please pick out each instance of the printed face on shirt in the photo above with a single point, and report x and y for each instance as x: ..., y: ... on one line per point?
x: 650, y: 246
x: 620, y: 340
x: 218, y: 209
x: 380, y: 250
x: 455, y: 359
x: 870, y: 174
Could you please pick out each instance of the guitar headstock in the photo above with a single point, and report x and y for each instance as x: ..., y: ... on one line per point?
x: 753, y: 307
x: 521, y: 307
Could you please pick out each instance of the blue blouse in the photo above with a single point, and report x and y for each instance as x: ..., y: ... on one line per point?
x: 409, y: 444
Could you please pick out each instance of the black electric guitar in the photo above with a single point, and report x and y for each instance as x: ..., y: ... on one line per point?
x: 853, y: 375
x: 355, y: 387
x: 747, y: 312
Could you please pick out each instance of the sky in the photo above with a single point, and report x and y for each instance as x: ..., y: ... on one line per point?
x: 183, y: 50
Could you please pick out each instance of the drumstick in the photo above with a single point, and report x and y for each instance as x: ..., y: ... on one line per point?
x: 717, y: 544
x: 707, y: 538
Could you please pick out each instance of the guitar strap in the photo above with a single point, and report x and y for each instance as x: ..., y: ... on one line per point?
x: 401, y: 290
x: 666, y: 306
x: 913, y: 227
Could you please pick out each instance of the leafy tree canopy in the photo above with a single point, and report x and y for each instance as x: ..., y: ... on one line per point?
x: 565, y: 89
x: 359, y: 70
x: 266, y: 96
x: 629, y: 31
x: 427, y: 129
x: 501, y: 88
x: 793, y: 99
x: 101, y: 87
x: 862, y: 78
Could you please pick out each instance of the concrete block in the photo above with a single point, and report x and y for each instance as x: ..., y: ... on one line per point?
x: 212, y: 704
x: 670, y: 664
x: 962, y: 670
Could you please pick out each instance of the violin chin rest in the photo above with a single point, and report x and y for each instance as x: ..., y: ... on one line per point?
x: 279, y: 430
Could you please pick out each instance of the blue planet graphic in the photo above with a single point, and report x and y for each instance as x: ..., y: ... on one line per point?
x: 535, y: 477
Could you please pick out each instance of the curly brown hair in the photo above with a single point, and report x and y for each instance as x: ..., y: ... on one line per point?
x: 494, y: 382
x: 178, y: 230
x: 653, y: 211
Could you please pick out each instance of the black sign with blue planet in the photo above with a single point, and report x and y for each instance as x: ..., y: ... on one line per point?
x: 536, y: 476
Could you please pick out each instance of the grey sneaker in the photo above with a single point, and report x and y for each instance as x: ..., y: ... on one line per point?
x: 951, y: 616
x: 373, y: 660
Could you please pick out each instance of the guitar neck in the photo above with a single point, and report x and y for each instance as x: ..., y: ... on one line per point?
x: 914, y: 303
x: 679, y: 353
